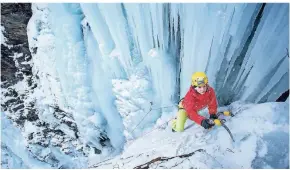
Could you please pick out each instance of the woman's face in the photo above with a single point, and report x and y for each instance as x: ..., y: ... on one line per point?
x: 201, y: 89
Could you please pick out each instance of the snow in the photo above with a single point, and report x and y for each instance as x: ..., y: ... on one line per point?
x: 3, y: 38
x: 29, y: 127
x: 132, y: 101
x: 251, y: 125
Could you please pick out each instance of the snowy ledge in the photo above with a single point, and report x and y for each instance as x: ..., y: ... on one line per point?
x: 261, y: 133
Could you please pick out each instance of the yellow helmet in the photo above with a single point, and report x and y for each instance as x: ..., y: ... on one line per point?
x: 199, y: 79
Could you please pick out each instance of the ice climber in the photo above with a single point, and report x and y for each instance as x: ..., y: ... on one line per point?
x: 199, y: 96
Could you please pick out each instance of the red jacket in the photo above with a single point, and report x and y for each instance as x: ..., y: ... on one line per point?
x: 194, y: 101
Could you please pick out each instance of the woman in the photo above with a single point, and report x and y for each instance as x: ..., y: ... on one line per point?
x: 199, y: 96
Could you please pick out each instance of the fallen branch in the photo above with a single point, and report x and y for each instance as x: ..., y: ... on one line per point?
x: 147, y: 165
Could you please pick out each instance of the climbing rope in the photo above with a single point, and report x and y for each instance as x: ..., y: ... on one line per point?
x: 165, y: 107
x: 151, y: 103
x: 143, y: 117
x: 132, y: 141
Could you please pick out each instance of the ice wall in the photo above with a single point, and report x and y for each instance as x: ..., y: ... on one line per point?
x: 77, y: 73
x: 241, y: 47
x: 223, y: 40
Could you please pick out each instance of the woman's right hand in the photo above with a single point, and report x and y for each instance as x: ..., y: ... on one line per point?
x: 207, y: 123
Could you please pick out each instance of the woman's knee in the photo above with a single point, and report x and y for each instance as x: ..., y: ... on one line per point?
x: 182, y: 114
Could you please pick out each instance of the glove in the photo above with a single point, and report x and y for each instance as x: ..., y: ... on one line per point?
x: 213, y: 116
x: 206, y: 123
x: 217, y: 122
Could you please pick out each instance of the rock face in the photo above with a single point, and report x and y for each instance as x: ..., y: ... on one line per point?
x: 14, y: 19
x: 15, y: 61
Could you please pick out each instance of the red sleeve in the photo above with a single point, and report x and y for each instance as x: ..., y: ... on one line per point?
x: 212, y: 106
x: 190, y: 108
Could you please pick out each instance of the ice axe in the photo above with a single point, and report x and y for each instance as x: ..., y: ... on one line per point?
x: 223, y: 125
x: 221, y: 122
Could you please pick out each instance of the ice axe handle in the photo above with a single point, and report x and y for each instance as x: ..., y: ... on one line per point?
x: 225, y: 113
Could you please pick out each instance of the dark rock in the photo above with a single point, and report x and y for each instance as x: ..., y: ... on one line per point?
x: 30, y: 136
x: 21, y: 106
x: 14, y: 19
x: 12, y: 93
x: 21, y: 120
x: 10, y: 102
x: 32, y: 116
x: 34, y: 50
x: 97, y: 151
